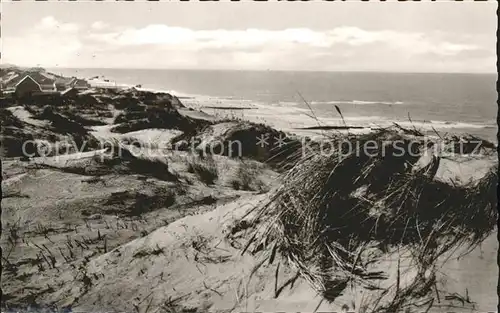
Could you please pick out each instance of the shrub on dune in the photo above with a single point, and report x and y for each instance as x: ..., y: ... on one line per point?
x: 240, y: 139
x: 125, y: 102
x: 136, y: 203
x: 71, y: 114
x: 9, y: 119
x: 155, y: 117
x: 61, y: 124
x: 205, y: 169
x: 125, y: 161
x: 87, y: 101
x: 247, y: 178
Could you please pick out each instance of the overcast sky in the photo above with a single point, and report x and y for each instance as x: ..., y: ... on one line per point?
x: 316, y: 36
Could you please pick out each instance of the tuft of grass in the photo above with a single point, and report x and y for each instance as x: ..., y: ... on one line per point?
x: 246, y: 178
x: 71, y: 114
x: 125, y: 103
x: 9, y: 119
x: 205, y: 169
x: 124, y: 160
x: 155, y: 251
x: 64, y: 125
x: 136, y: 203
x: 144, y: 117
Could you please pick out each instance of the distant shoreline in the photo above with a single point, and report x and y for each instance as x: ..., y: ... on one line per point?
x: 286, y: 117
x: 261, y: 70
x: 225, y: 108
x: 326, y: 127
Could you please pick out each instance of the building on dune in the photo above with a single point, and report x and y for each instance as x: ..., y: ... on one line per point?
x: 80, y: 84
x: 47, y: 83
x: 38, y: 84
x: 63, y: 83
x: 23, y: 87
x: 28, y: 84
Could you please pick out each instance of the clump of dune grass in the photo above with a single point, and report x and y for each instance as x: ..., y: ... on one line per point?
x: 130, y: 115
x: 204, y: 167
x: 144, y: 117
x: 21, y: 139
x: 125, y: 103
x: 125, y: 160
x: 331, y: 210
x: 13, y: 135
x: 64, y: 125
x: 118, y: 158
x: 468, y: 144
x: 134, y: 203
x: 82, y: 120
x: 246, y: 178
x: 9, y: 119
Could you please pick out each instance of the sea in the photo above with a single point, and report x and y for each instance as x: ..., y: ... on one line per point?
x: 458, y: 103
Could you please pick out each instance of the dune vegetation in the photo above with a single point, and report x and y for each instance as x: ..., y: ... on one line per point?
x: 333, y: 216
x: 213, y: 221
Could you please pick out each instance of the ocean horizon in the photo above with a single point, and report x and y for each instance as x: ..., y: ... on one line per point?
x: 446, y: 102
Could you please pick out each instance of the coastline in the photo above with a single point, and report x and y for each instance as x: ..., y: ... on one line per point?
x: 293, y: 116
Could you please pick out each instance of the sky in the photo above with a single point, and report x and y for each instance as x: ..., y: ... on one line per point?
x: 310, y: 36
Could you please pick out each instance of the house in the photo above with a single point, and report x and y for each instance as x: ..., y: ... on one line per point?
x: 63, y: 83
x: 26, y: 86
x: 37, y: 83
x: 30, y: 84
x: 80, y: 84
x: 47, y: 83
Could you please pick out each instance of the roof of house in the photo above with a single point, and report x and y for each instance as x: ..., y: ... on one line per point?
x: 41, y: 79
x: 30, y: 78
x: 37, y: 77
x: 79, y: 81
x: 65, y: 80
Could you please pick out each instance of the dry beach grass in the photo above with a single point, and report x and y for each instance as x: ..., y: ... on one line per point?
x: 334, y: 215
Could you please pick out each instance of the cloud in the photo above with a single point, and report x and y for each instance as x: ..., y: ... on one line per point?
x: 49, y: 23
x: 47, y: 43
x: 99, y: 44
x: 167, y: 35
x: 158, y: 34
x: 99, y: 25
